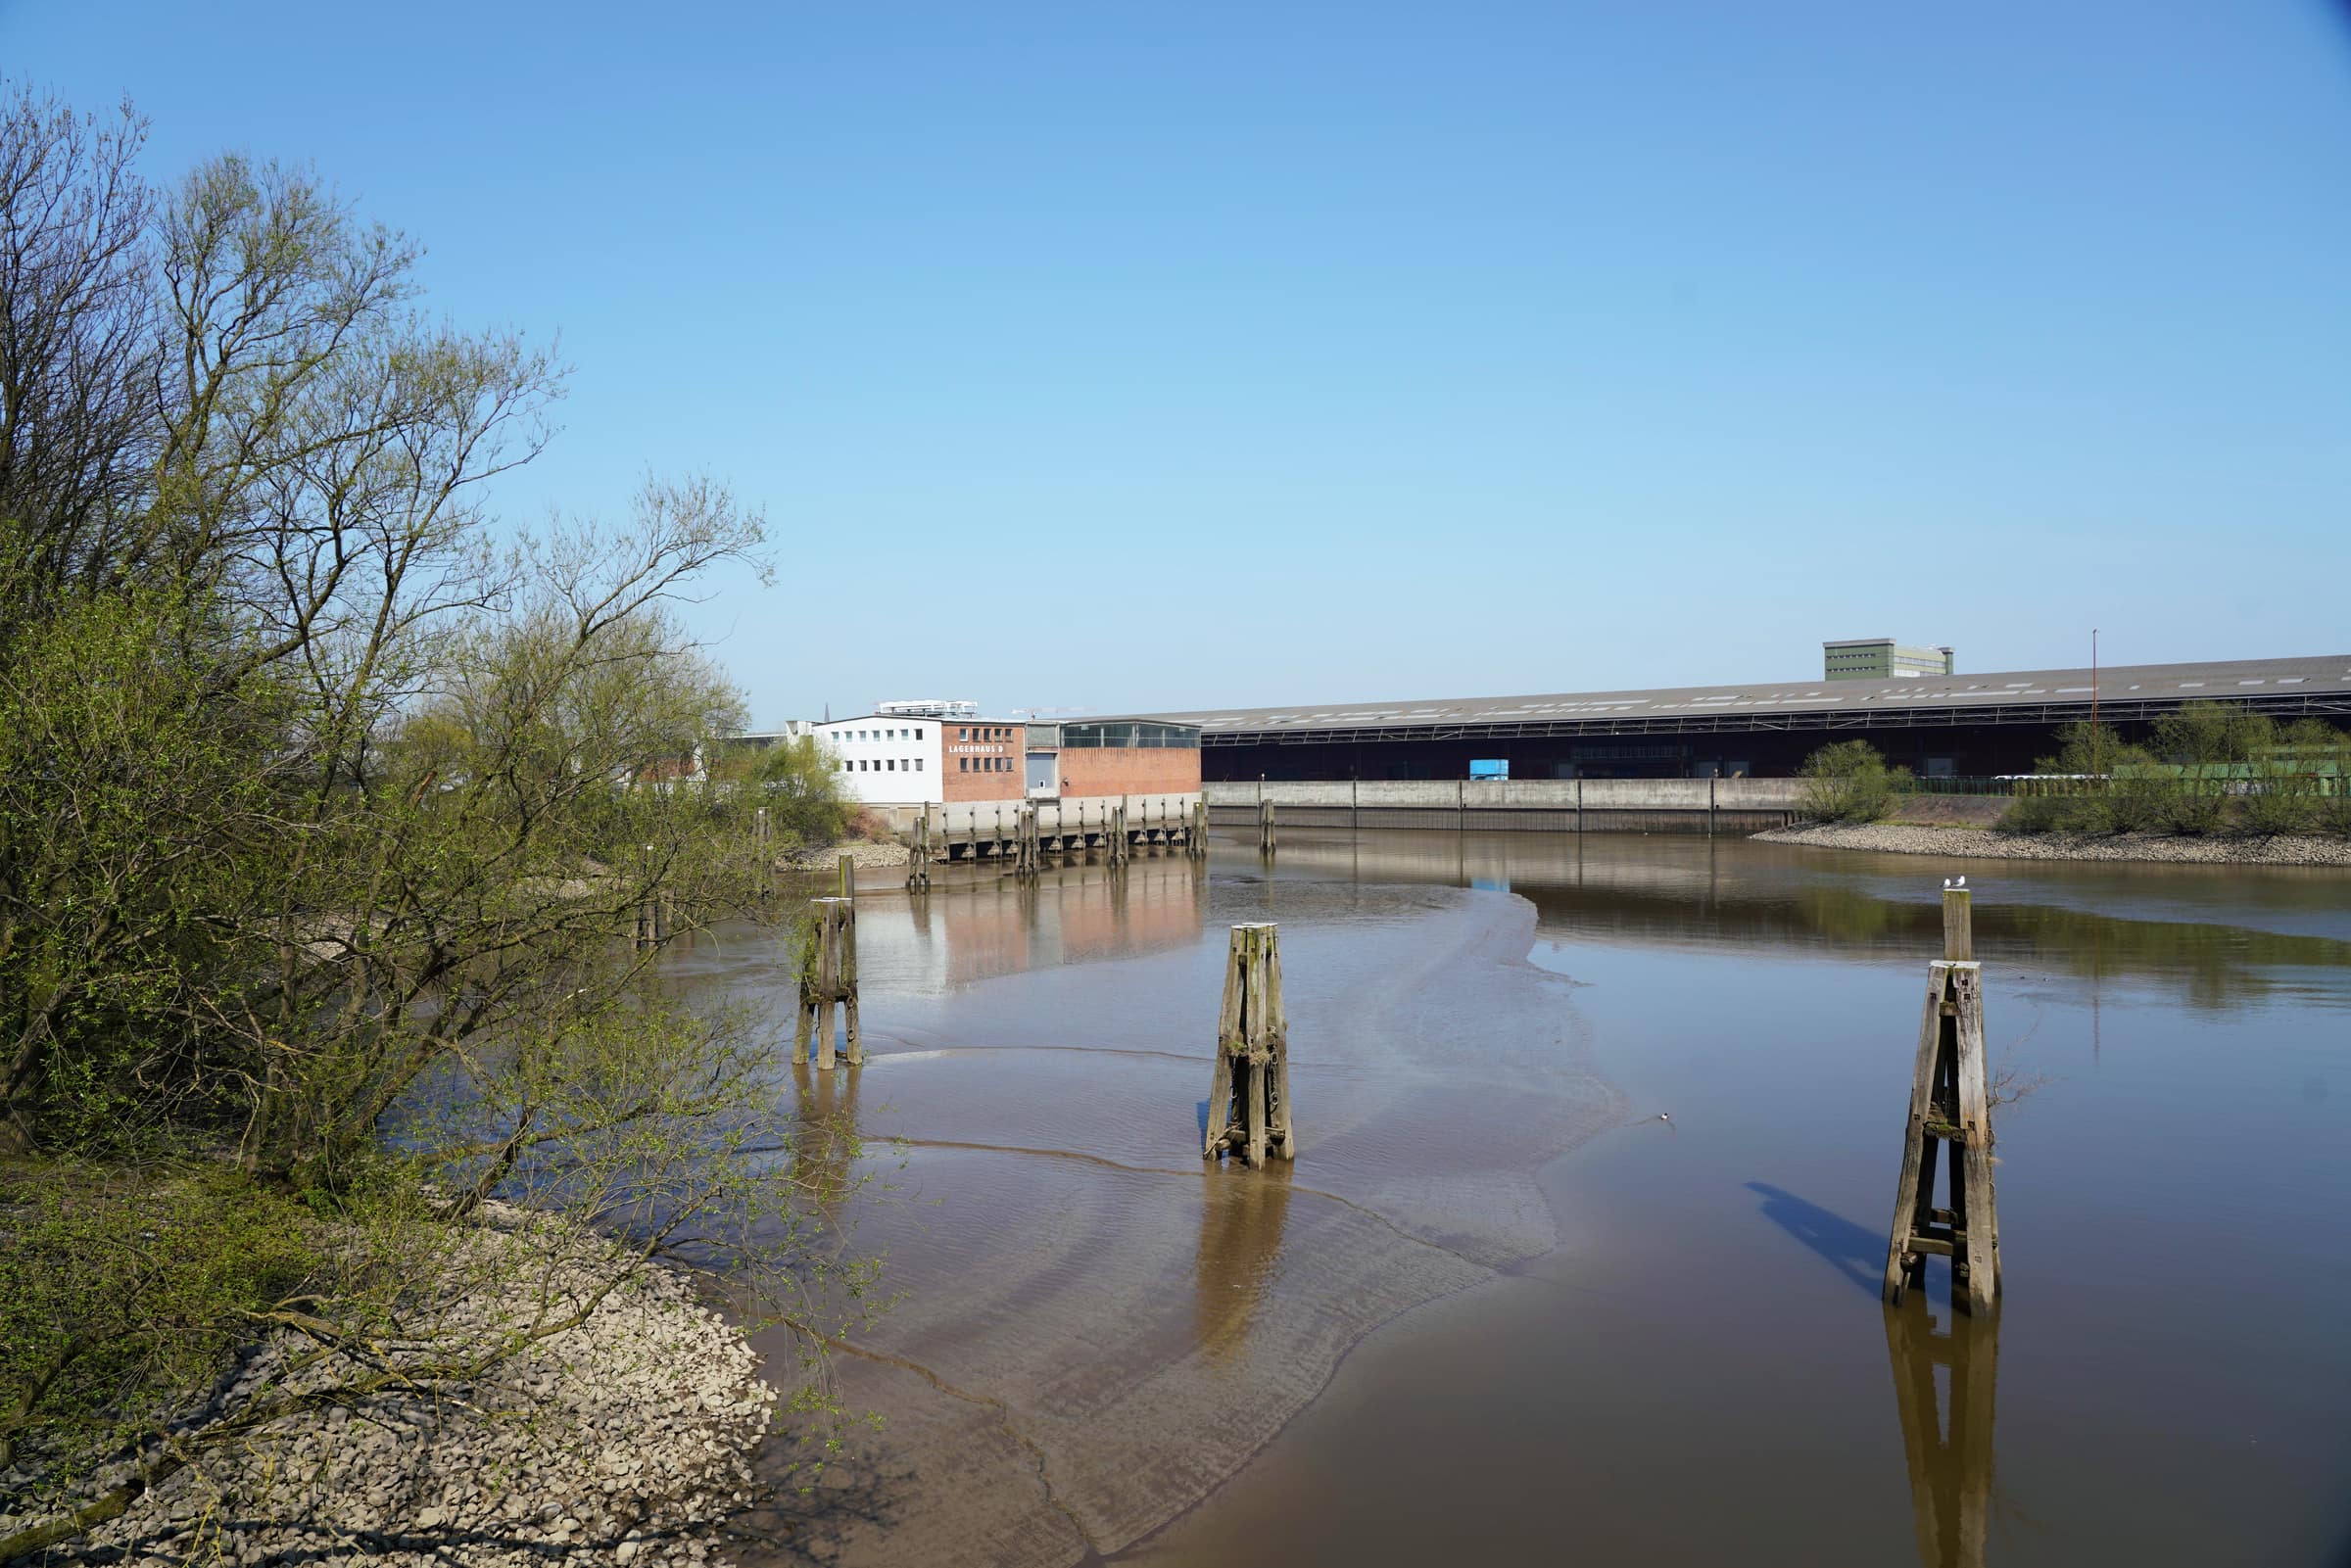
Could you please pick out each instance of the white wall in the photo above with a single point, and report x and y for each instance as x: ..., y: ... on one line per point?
x: 886, y: 759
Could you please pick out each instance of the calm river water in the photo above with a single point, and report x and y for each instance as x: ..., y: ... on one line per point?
x: 1499, y: 1310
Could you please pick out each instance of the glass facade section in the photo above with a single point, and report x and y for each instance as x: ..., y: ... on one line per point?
x: 1142, y: 733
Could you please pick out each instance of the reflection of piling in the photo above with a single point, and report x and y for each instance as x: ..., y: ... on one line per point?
x: 1950, y: 1475
x: 1264, y: 829
x: 1249, y: 1091
x: 829, y: 975
x: 824, y: 1145
x: 918, y: 858
x: 1950, y: 1103
x: 1240, y: 1235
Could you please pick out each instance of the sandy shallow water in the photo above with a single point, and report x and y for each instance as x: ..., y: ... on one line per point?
x: 1096, y: 1327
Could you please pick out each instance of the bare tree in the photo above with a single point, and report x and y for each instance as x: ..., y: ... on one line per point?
x: 77, y: 406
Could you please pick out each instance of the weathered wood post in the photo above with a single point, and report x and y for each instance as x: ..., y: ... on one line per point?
x: 1950, y: 1102
x: 848, y: 876
x: 1118, y: 834
x: 649, y: 909
x: 1196, y: 840
x: 1265, y: 828
x: 1025, y: 848
x: 918, y: 858
x: 829, y: 975
x: 1249, y: 1088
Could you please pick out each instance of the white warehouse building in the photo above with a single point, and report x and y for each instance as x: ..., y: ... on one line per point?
x: 926, y: 754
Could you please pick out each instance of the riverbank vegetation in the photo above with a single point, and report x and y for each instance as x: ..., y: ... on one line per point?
x: 325, y: 794
x: 1849, y: 781
x: 2212, y: 769
x: 2215, y: 768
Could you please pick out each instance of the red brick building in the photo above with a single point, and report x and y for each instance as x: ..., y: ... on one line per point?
x: 984, y: 759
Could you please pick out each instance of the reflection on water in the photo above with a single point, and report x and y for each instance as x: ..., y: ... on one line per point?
x: 1241, y: 1237
x: 1712, y: 894
x: 1096, y: 1333
x: 825, y: 1140
x: 975, y: 926
x: 1947, y: 1441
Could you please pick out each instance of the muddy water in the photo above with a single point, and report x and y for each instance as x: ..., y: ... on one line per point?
x: 1499, y: 1311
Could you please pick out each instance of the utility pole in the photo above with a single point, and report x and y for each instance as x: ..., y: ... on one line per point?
x: 2093, y: 701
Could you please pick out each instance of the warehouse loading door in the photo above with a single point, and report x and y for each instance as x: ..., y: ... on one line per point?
x: 1044, y: 774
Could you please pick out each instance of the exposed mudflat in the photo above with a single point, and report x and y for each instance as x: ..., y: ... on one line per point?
x: 1097, y: 1327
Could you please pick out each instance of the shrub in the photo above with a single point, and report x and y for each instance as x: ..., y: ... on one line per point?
x: 2282, y: 801
x: 2185, y: 804
x: 2135, y: 799
x: 120, y: 1299
x: 2043, y: 814
x: 2333, y: 812
x: 803, y: 794
x: 1849, y: 781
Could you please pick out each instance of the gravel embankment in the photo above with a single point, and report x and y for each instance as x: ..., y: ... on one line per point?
x: 1966, y: 843
x: 625, y: 1440
x: 866, y: 854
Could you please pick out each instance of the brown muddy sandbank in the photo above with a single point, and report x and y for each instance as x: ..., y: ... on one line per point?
x: 1096, y: 1329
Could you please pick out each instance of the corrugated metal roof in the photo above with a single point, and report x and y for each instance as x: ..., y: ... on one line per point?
x: 2120, y: 683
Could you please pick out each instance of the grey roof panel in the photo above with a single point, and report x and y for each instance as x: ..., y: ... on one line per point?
x: 2134, y: 682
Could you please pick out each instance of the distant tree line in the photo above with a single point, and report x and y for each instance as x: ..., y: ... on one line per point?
x: 325, y: 796
x: 2216, y: 767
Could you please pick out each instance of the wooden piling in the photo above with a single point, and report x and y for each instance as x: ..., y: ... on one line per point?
x: 1950, y: 1103
x: 1249, y: 1092
x: 1027, y: 849
x: 848, y: 876
x: 918, y: 856
x: 1196, y: 842
x: 829, y: 975
x: 1959, y: 924
x: 648, y: 932
x: 1264, y: 829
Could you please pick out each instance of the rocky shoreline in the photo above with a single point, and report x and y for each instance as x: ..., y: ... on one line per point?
x: 1973, y: 843
x: 863, y: 853
x: 627, y: 1438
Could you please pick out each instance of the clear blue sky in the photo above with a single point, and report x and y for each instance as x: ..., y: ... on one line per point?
x: 1122, y: 357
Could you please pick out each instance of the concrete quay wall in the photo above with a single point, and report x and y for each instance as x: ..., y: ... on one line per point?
x: 1540, y: 805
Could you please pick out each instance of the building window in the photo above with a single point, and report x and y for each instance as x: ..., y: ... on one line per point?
x: 918, y: 731
x: 918, y: 765
x: 891, y: 765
